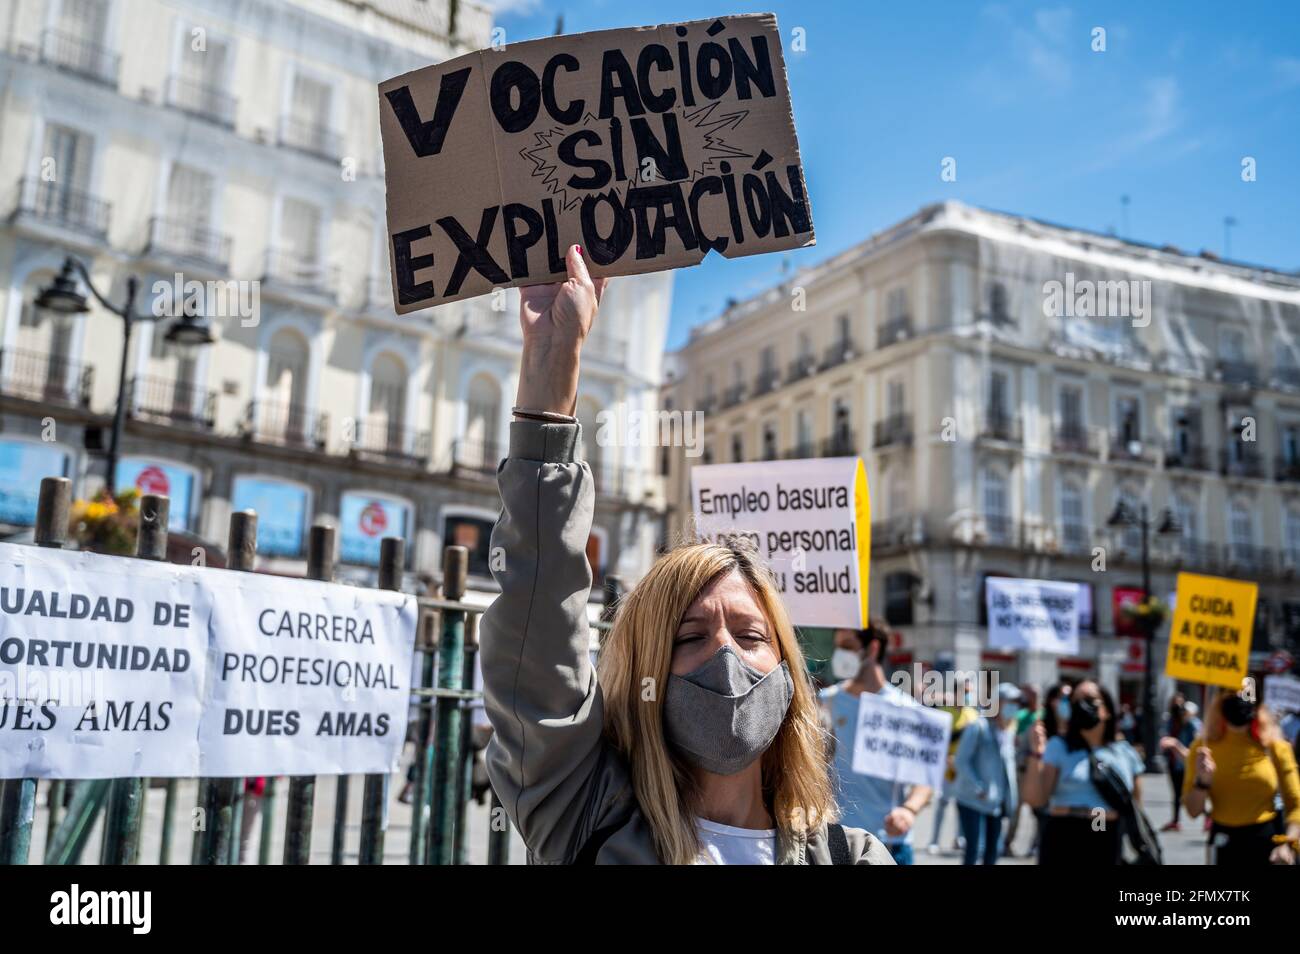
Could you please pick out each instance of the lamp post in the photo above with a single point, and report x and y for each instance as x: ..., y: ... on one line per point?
x: 1124, y: 516
x: 63, y: 297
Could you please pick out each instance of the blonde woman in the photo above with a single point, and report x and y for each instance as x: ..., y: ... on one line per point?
x: 699, y: 739
x: 1242, y: 764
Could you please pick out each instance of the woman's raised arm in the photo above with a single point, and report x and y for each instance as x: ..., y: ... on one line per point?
x: 539, y: 685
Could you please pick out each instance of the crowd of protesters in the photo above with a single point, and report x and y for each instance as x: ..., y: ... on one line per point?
x: 1072, y: 766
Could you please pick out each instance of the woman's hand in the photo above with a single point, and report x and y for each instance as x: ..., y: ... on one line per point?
x: 1037, y: 740
x: 555, y: 319
x: 1204, y: 767
x: 1282, y: 855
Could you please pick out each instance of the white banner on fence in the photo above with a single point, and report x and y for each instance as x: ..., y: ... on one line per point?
x: 1282, y: 693
x: 809, y: 520
x: 307, y: 679
x: 111, y: 667
x: 101, y: 665
x: 901, y: 742
x: 1033, y: 614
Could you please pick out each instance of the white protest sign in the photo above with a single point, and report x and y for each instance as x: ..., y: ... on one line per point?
x: 810, y: 520
x: 1033, y: 614
x: 901, y: 741
x: 305, y: 679
x: 1282, y: 693
x: 101, y: 665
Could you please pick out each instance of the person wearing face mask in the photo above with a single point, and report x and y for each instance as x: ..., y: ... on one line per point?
x: 883, y: 807
x: 1058, y: 776
x: 986, y: 789
x: 1180, y: 729
x: 1242, y: 765
x: 695, y: 738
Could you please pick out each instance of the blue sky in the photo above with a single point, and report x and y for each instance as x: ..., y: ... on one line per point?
x: 1038, y: 122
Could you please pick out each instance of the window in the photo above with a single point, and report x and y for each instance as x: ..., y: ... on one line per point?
x: 1131, y: 536
x: 1241, y: 532
x: 898, y: 598
x: 999, y: 313
x: 805, y: 345
x: 1074, y: 534
x: 896, y: 304
x: 1186, y: 430
x: 842, y: 330
x: 1070, y: 405
x: 475, y: 535
x: 737, y: 449
x: 300, y: 240
x: 999, y: 407
x: 386, y: 414
x: 1184, y: 512
x: 22, y: 465
x: 1290, y: 444
x: 1232, y: 342
x: 803, y: 432
x: 769, y: 442
x: 1292, y: 537
x: 841, y: 428
x: 364, y: 520
x: 1128, y: 419
x: 895, y: 398
x: 283, y: 510
x: 899, y: 494
x: 482, y: 442
x: 767, y: 359
x: 995, y: 505
x: 64, y: 197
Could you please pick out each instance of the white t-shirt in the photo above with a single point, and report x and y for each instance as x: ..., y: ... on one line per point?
x: 724, y: 845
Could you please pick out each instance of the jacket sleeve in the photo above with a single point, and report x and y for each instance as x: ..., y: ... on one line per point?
x: 539, y: 684
x: 963, y: 762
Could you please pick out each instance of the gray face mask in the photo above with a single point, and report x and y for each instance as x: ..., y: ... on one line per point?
x: 723, y: 715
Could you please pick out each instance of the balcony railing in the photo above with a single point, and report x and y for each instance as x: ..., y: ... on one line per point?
x: 839, y: 353
x: 168, y: 401
x: 174, y: 237
x: 843, y: 444
x: 1248, y: 558
x: 1241, y: 462
x: 998, y: 425
x: 604, y: 346
x: 1188, y: 553
x: 1242, y: 373
x: 57, y: 204
x: 37, y: 376
x: 202, y: 100
x: 804, y: 451
x: 895, y: 429
x: 476, y: 458
x: 708, y: 403
x: 1287, y: 376
x: 311, y: 138
x: 621, y: 482
x: 1073, y: 538
x: 288, y: 267
x: 897, y: 533
x: 801, y: 368
x: 390, y: 441
x: 998, y: 531
x: 733, y: 396
x: 893, y: 331
x: 1287, y: 470
x: 1190, y: 457
x: 766, y: 381
x: 75, y: 54
x: 1132, y: 451
x: 1072, y: 438
x: 285, y: 424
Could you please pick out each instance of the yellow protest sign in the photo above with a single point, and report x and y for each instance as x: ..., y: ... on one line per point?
x: 1209, y: 641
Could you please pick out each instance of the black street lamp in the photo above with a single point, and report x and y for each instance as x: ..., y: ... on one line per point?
x: 1124, y: 516
x: 62, y: 296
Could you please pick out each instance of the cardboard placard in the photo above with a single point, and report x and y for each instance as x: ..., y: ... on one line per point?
x: 809, y: 520
x: 901, y: 741
x: 1040, y: 615
x: 648, y: 147
x: 1209, y: 641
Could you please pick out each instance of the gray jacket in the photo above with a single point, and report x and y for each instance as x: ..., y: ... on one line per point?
x: 559, y: 780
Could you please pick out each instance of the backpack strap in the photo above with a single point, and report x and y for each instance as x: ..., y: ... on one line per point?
x: 838, y: 843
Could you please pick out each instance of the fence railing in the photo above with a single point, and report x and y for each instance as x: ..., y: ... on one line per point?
x: 441, y: 778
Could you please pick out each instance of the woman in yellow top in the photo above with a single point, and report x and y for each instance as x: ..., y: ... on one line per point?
x: 1242, y: 763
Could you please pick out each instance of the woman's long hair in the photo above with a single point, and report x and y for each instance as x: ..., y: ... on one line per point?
x: 633, y: 672
x: 1264, y: 730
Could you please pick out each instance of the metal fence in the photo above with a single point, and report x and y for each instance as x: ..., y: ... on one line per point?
x: 446, y: 646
